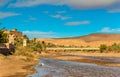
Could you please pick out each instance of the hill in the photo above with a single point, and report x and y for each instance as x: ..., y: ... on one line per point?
x: 92, y: 40
x: 97, y: 37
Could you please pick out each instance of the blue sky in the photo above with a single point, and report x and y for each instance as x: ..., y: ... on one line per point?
x: 60, y: 18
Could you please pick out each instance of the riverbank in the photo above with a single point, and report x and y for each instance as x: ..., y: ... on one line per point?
x: 15, y: 66
x: 20, y: 66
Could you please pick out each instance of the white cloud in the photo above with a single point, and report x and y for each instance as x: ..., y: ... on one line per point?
x: 58, y: 16
x: 57, y: 12
x: 77, y: 23
x: 108, y: 30
x: 79, y: 4
x: 89, y: 4
x: 7, y: 14
x: 29, y: 3
x: 32, y: 18
x: 61, y: 12
x: 114, y: 10
x: 3, y: 2
x: 46, y: 12
x: 38, y: 34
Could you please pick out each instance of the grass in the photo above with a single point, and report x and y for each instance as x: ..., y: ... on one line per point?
x: 26, y: 52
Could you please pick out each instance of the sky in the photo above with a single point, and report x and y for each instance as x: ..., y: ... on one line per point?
x: 60, y: 18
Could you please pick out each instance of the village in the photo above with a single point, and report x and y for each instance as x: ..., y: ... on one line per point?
x: 15, y: 55
x: 13, y: 37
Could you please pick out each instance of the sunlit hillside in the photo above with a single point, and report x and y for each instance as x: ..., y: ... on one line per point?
x: 92, y: 40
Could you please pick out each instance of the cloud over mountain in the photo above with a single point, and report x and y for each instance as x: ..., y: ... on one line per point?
x: 109, y: 30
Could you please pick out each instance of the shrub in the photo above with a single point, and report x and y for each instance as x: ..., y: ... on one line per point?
x: 51, y: 45
x: 103, y: 47
x: 38, y: 46
x: 24, y: 51
x: 3, y: 37
x: 114, y: 48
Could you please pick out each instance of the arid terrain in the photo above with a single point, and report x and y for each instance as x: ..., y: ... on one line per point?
x: 15, y: 66
x: 20, y: 66
x: 92, y: 40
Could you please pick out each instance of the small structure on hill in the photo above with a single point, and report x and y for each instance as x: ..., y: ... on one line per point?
x: 24, y: 42
x: 13, y: 35
x: 11, y: 38
x: 14, y: 38
x: 16, y: 33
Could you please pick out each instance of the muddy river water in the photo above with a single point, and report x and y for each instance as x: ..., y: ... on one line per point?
x: 60, y: 68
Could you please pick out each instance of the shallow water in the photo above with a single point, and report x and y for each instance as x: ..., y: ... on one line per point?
x: 60, y: 68
x: 99, y: 58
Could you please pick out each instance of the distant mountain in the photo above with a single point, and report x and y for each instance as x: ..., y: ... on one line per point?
x: 92, y: 40
x: 97, y: 37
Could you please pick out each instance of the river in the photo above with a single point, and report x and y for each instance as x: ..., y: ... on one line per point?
x: 60, y: 68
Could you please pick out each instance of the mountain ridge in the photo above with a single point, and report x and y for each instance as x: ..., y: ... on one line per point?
x: 95, y: 37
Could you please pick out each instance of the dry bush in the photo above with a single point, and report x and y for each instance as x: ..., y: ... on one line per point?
x: 28, y: 53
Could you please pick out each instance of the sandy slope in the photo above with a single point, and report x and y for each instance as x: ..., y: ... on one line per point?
x: 15, y: 66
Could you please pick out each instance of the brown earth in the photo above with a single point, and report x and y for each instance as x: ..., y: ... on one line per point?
x: 92, y: 40
x: 99, y: 37
x: 15, y: 66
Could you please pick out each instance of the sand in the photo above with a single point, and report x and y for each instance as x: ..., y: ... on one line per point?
x: 15, y: 66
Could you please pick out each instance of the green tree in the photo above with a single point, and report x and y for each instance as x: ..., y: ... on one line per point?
x: 43, y: 45
x: 39, y: 46
x: 25, y: 37
x: 115, y: 47
x: 18, y: 41
x: 103, y: 47
x: 3, y: 37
